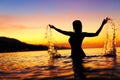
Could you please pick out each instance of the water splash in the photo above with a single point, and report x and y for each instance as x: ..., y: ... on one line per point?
x: 52, y: 51
x: 110, y: 42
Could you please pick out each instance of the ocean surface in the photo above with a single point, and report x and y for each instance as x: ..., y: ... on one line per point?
x: 37, y: 65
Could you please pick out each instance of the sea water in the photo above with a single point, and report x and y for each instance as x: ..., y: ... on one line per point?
x: 37, y: 65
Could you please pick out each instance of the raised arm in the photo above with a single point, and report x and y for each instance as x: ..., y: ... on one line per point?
x: 98, y: 31
x: 61, y: 31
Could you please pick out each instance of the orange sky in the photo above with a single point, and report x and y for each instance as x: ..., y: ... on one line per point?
x: 30, y: 26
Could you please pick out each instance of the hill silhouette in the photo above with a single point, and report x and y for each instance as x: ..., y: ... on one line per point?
x: 13, y: 45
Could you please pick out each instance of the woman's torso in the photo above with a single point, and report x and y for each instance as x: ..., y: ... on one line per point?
x: 75, y: 41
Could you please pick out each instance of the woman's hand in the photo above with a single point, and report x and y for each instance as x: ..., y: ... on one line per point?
x: 51, y: 26
x: 105, y: 21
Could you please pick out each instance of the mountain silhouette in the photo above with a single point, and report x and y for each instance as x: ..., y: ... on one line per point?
x: 13, y: 45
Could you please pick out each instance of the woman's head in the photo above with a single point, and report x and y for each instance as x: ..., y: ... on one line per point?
x: 77, y: 26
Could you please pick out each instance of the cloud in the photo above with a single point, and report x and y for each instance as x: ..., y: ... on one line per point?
x: 14, y: 22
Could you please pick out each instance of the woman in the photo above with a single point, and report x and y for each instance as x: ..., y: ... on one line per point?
x: 77, y: 37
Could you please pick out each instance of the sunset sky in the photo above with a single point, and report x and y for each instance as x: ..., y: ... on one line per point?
x: 26, y: 20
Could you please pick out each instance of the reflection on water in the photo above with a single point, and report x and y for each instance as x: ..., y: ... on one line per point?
x: 102, y: 67
x: 33, y: 65
x: 37, y: 65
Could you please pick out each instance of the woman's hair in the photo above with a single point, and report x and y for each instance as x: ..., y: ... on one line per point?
x: 77, y: 26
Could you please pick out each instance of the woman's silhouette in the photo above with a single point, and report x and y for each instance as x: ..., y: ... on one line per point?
x: 75, y: 40
x: 77, y: 37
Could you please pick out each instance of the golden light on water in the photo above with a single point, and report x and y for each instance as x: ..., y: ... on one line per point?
x: 38, y: 65
x: 32, y: 64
